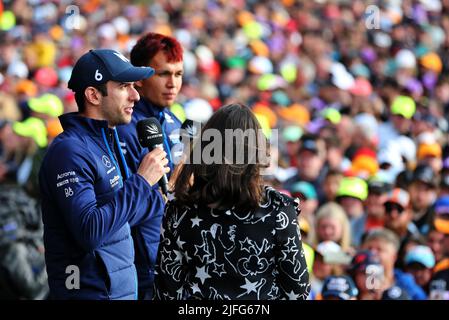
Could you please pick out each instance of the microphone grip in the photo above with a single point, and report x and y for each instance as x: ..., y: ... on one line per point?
x: 163, y: 182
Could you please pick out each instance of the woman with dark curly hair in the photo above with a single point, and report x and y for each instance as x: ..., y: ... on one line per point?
x: 226, y: 235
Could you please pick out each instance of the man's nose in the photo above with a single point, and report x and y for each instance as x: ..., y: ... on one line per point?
x: 394, y: 213
x: 171, y: 81
x: 134, y: 95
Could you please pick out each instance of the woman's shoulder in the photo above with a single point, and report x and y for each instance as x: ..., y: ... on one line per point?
x: 175, y: 205
x: 278, y: 199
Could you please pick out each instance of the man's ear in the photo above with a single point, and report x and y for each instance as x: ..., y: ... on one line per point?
x: 93, y: 96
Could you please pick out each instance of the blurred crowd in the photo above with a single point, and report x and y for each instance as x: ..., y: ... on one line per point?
x: 354, y: 96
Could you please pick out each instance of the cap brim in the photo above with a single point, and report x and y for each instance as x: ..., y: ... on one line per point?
x: 442, y: 225
x: 24, y: 131
x: 394, y: 201
x: 44, y: 107
x: 313, y: 150
x: 21, y: 129
x: 431, y: 183
x: 134, y: 74
x: 422, y: 263
x: 376, y: 189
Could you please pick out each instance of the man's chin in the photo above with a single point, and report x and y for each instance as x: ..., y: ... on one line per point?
x: 125, y: 120
x: 166, y: 103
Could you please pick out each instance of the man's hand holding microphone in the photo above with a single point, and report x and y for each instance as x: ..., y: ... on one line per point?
x: 153, y: 167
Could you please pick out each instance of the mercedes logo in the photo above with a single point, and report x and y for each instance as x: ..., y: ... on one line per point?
x: 106, y: 161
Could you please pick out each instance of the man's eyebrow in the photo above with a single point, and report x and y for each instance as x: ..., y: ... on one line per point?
x: 168, y: 71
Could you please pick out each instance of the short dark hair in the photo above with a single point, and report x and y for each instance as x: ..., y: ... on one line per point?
x: 225, y: 185
x: 79, y: 96
x: 150, y: 44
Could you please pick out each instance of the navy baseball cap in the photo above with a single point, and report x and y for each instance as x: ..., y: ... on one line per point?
x: 311, y: 145
x: 341, y: 287
x: 362, y: 259
x: 103, y: 65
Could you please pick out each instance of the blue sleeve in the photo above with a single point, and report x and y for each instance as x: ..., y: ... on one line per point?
x: 407, y: 282
x: 89, y: 223
x: 156, y: 204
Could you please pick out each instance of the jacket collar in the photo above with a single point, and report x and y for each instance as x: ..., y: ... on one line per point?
x: 80, y: 123
x: 148, y: 109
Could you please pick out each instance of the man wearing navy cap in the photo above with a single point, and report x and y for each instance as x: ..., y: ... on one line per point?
x: 423, y: 192
x: 89, y: 198
x: 368, y: 275
x: 311, y: 164
x: 339, y: 288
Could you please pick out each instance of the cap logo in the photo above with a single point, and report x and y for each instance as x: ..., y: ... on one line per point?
x: 121, y: 56
x: 152, y: 129
x: 98, y: 75
x: 338, y: 284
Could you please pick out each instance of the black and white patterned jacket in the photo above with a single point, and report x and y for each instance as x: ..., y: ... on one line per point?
x: 216, y: 254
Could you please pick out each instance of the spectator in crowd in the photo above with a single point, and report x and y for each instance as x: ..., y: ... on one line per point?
x: 374, y: 203
x: 311, y: 156
x: 439, y: 284
x: 423, y: 193
x: 329, y: 260
x: 435, y: 240
x: 306, y: 191
x: 368, y: 275
x: 22, y: 261
x: 331, y: 184
x: 419, y: 261
x: 339, y: 288
x: 398, y: 217
x: 332, y: 225
x: 335, y: 155
x: 351, y: 194
x: 429, y: 153
x: 402, y: 109
x: 21, y: 141
x: 440, y: 224
x: 385, y: 244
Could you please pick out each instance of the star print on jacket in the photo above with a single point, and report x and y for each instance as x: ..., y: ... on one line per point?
x: 207, y: 253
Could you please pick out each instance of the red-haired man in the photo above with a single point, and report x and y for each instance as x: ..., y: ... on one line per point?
x: 165, y: 55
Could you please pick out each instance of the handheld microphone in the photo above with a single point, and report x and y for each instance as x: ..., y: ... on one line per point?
x: 150, y: 136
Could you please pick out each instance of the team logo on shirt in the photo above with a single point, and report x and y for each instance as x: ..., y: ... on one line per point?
x: 191, y: 130
x: 106, y: 161
x: 168, y: 118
